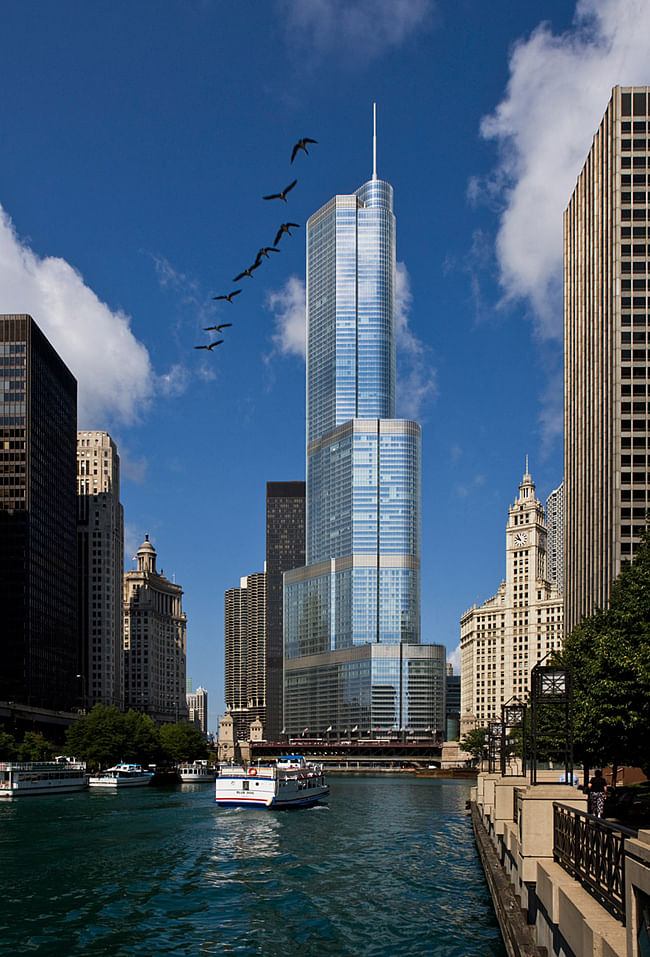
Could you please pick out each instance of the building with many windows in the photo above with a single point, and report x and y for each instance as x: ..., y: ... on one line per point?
x: 555, y: 538
x: 607, y: 372
x: 285, y: 549
x: 154, y: 641
x: 352, y: 652
x: 100, y: 549
x: 38, y: 520
x: 504, y: 638
x: 197, y: 706
x: 245, y: 653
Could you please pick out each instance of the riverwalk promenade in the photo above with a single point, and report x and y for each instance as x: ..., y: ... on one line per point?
x: 562, y: 881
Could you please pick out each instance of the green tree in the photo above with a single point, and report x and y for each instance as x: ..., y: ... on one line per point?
x: 35, y: 747
x: 182, y: 742
x: 475, y: 742
x: 8, y: 746
x: 98, y: 738
x: 142, y: 738
x: 610, y: 657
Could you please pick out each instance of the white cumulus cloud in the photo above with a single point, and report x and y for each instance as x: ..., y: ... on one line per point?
x: 558, y: 90
x: 288, y: 304
x: 112, y: 368
x: 363, y: 28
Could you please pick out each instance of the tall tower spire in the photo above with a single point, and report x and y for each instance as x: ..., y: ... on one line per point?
x: 374, y: 141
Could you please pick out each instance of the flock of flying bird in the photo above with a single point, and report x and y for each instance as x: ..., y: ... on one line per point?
x: 263, y: 253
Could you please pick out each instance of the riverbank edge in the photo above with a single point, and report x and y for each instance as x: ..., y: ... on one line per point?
x: 515, y: 931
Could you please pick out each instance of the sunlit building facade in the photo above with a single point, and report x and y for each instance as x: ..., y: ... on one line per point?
x: 606, y: 367
x: 100, y: 551
x: 352, y: 653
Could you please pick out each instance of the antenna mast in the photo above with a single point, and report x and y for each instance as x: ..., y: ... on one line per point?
x: 374, y: 141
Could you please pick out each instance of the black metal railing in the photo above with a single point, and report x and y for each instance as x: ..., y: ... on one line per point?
x: 593, y: 852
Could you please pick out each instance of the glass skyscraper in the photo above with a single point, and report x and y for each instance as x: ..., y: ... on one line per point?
x: 352, y: 653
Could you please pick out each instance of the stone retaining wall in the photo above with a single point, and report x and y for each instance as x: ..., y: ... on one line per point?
x: 540, y: 907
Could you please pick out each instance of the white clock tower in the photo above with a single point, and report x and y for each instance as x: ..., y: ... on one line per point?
x: 502, y: 639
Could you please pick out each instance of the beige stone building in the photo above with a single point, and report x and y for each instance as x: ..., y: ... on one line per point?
x: 502, y: 639
x: 100, y: 549
x: 606, y: 370
x: 154, y: 641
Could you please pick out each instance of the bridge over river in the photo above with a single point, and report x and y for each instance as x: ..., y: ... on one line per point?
x: 351, y: 755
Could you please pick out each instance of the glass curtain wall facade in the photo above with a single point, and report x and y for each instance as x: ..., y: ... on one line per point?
x: 360, y: 587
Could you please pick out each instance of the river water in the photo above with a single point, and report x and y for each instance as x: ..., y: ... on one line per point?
x: 387, y: 866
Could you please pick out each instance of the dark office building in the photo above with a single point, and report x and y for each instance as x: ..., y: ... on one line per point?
x: 38, y: 520
x: 452, y: 705
x: 285, y: 549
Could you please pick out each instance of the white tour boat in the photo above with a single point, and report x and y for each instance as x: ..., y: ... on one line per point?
x: 288, y: 782
x: 198, y: 772
x: 121, y: 776
x: 22, y: 778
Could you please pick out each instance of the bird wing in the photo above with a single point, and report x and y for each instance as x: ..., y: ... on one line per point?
x: 208, y: 329
x: 295, y: 225
x: 201, y: 347
x: 289, y: 187
x: 256, y: 265
x: 224, y: 325
x: 307, y: 140
x: 235, y: 293
x: 278, y: 237
x: 240, y: 276
x: 220, y: 297
x: 294, y: 151
x: 273, y: 196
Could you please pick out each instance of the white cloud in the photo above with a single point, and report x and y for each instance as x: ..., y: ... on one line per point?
x: 453, y: 658
x: 558, y: 90
x: 288, y: 304
x: 416, y: 377
x: 364, y: 28
x: 462, y: 491
x: 416, y: 380
x: 113, y: 369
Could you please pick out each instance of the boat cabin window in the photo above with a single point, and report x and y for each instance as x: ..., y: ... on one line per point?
x: 246, y: 785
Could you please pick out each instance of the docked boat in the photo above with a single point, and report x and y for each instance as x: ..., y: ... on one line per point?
x: 289, y: 782
x: 121, y: 776
x: 198, y: 772
x: 23, y: 778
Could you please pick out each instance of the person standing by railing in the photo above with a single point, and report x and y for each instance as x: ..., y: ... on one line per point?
x: 597, y: 792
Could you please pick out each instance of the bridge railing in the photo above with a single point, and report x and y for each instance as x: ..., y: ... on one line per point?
x: 593, y: 852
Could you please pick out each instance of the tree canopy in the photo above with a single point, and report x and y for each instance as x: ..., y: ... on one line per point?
x: 610, y: 657
x: 106, y: 735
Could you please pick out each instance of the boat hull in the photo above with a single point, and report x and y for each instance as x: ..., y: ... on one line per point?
x: 31, y: 778
x: 271, y: 786
x: 114, y: 783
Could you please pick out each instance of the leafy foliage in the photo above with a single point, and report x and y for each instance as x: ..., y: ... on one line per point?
x: 105, y: 736
x: 35, y: 747
x: 182, y: 742
x: 474, y: 742
x: 8, y: 746
x: 610, y: 657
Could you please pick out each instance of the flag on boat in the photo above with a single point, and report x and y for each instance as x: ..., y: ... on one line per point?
x: 355, y: 728
x: 329, y: 729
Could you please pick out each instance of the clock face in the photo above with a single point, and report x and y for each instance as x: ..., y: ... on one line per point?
x: 521, y: 538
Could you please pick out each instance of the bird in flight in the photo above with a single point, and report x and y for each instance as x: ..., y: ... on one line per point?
x: 224, y: 325
x: 247, y: 272
x: 230, y: 295
x: 301, y: 145
x: 285, y: 228
x: 265, y: 252
x: 283, y: 194
x: 211, y: 346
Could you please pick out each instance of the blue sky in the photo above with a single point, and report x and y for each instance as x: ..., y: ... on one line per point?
x: 137, y: 143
